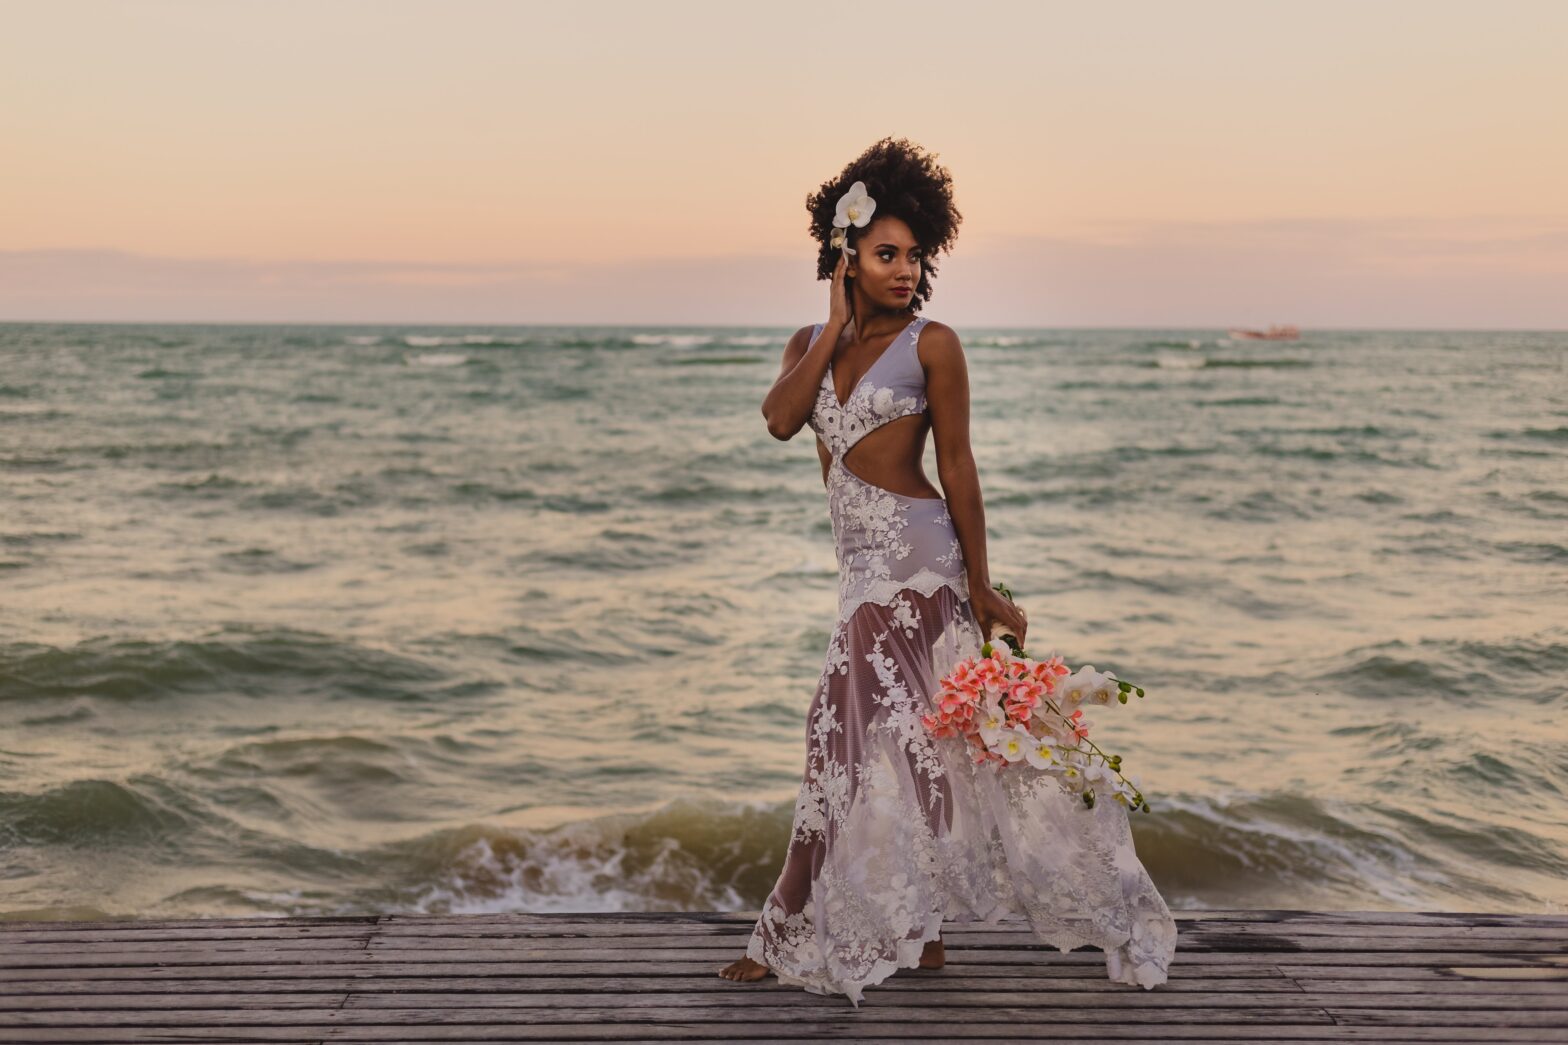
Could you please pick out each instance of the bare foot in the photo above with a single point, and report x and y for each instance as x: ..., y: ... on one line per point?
x: 744, y: 971
x: 934, y: 956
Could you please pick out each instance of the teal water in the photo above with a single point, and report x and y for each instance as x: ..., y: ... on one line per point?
x: 317, y: 620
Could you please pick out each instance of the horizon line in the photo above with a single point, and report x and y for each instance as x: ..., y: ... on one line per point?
x: 728, y: 326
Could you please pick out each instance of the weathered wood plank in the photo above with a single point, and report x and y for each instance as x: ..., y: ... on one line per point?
x: 654, y: 924
x: 1298, y: 930
x: 1216, y: 1004
x: 1316, y: 936
x: 1402, y: 981
x: 682, y: 962
x: 747, y: 918
x: 1476, y: 1018
x: 1219, y: 1004
x: 905, y: 979
x: 531, y: 953
x: 825, y: 1010
x: 73, y: 925
x: 250, y: 932
x: 163, y: 946
x: 989, y: 964
x: 866, y: 1033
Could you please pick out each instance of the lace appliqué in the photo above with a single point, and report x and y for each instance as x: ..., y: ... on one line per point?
x: 902, y: 721
x: 867, y: 409
x: 824, y: 792
x: 869, y: 508
x: 838, y: 653
x: 861, y: 589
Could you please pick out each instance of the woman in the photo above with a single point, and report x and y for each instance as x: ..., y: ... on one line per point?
x: 895, y: 830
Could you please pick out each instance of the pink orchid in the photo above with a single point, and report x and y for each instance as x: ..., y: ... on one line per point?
x: 979, y: 689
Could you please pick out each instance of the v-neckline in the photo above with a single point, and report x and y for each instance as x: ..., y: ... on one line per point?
x: 833, y: 388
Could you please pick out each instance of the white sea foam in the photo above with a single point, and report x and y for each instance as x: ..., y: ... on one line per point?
x: 441, y: 340
x: 673, y: 340
x: 579, y: 867
x: 437, y: 359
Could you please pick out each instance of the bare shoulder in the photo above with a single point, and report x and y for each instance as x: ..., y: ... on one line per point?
x: 938, y: 347
x: 798, y: 342
x: 795, y: 348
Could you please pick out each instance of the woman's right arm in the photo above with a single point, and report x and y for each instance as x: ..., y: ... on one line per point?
x: 789, y: 403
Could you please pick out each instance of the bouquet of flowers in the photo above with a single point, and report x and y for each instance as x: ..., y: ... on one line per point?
x: 1012, y: 708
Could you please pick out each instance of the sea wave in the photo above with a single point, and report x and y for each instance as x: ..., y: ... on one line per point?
x: 436, y: 358
x: 445, y: 340
x: 673, y: 340
x: 708, y: 853
x: 688, y: 854
x: 233, y: 660
x: 1531, y: 669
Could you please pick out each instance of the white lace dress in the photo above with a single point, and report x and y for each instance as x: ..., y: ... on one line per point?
x: 895, y: 831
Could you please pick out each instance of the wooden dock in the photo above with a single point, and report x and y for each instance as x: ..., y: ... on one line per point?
x: 1239, y: 976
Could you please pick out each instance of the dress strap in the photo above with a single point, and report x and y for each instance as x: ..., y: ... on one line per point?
x: 914, y: 334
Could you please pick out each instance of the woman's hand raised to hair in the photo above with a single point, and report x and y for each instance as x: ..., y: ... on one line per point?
x: 838, y: 295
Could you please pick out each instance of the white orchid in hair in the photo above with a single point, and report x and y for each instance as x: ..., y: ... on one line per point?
x: 854, y: 208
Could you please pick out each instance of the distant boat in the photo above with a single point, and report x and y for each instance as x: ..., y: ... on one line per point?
x: 1274, y: 333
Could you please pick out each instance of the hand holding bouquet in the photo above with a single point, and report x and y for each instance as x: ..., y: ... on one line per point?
x: 1012, y: 708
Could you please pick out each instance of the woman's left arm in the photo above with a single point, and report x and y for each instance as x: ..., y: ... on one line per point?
x: 947, y: 398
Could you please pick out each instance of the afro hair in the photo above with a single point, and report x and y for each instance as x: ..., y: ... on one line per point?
x: 906, y: 182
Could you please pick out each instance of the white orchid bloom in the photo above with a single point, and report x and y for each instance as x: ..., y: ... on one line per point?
x: 1085, y: 684
x: 1014, y: 744
x: 1042, y: 753
x: 1075, y: 688
x: 992, y: 720
x: 853, y: 208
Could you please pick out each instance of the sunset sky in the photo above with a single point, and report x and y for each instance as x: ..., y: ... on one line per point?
x: 1193, y: 164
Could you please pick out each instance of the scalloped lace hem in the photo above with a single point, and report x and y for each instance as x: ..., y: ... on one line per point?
x: 1126, y: 961
x: 908, y: 957
x: 884, y: 592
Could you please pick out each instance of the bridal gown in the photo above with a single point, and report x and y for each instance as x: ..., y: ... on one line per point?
x: 894, y: 830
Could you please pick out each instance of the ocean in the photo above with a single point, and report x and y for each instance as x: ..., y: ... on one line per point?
x: 315, y: 620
